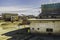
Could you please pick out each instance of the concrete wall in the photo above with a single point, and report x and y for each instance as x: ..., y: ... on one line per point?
x: 43, y: 25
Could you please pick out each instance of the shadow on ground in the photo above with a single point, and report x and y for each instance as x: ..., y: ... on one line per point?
x: 22, y: 34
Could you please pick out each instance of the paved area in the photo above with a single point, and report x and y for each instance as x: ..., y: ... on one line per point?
x: 24, y: 35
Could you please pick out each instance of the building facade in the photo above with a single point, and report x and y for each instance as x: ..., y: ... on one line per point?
x: 50, y: 11
x: 10, y: 16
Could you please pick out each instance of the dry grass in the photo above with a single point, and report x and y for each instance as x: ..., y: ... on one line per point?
x: 4, y: 37
x: 7, y: 27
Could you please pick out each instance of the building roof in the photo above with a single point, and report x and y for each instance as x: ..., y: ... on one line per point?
x: 43, y: 19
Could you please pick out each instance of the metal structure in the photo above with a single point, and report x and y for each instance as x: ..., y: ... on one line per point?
x: 50, y: 11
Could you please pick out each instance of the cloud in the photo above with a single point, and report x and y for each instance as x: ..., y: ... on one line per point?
x: 26, y: 11
x: 9, y: 9
x: 32, y: 12
x: 49, y: 1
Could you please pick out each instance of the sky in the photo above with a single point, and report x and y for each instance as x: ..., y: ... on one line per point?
x: 27, y: 7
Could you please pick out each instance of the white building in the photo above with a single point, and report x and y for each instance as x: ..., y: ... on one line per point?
x: 45, y: 26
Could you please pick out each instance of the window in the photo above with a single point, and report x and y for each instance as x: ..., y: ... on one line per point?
x: 37, y: 28
x: 32, y: 28
x: 49, y: 30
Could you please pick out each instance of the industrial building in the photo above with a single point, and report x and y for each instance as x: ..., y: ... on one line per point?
x: 10, y: 16
x: 50, y: 11
x: 49, y: 20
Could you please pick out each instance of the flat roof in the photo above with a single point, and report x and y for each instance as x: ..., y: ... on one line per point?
x: 42, y: 19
